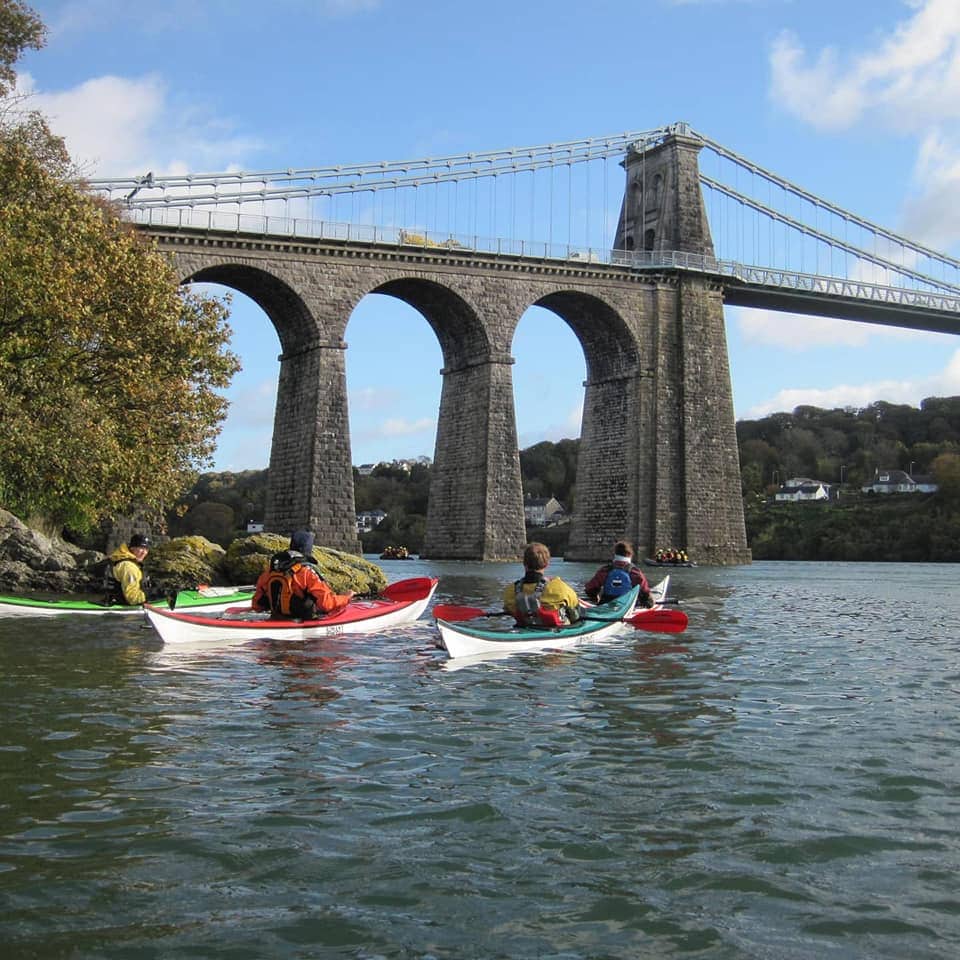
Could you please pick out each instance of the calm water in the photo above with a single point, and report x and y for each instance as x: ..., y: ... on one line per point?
x: 782, y: 781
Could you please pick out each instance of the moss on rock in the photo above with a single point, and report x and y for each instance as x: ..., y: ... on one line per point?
x: 186, y: 562
x: 247, y: 557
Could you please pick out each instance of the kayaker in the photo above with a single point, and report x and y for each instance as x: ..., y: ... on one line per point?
x: 125, y: 583
x: 535, y: 601
x: 291, y: 588
x: 616, y: 578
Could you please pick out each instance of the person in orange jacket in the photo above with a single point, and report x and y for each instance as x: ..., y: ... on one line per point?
x: 291, y: 587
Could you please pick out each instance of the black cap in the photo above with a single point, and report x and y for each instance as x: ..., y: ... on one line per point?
x: 140, y: 540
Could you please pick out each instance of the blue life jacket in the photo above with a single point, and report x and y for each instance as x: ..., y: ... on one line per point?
x: 616, y: 584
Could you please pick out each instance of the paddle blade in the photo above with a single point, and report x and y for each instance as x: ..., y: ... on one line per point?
x: 659, y: 621
x: 415, y: 588
x: 452, y: 613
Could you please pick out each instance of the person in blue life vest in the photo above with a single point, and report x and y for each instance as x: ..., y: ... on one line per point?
x: 292, y: 588
x: 534, y: 600
x: 125, y: 581
x: 616, y: 578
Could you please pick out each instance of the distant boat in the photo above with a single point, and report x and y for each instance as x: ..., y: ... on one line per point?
x: 650, y: 562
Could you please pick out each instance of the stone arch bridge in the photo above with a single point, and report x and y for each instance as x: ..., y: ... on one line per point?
x: 658, y: 454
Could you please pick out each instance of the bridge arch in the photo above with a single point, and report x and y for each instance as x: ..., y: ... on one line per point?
x: 288, y: 313
x: 610, y: 431
x: 653, y: 339
x: 476, y: 506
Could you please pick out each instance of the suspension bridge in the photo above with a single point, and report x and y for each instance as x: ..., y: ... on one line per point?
x: 637, y: 240
x: 775, y: 244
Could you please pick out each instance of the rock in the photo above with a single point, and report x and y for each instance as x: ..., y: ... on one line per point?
x: 185, y: 562
x: 29, y: 560
x: 247, y: 558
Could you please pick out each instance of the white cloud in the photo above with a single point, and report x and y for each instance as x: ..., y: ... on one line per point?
x: 398, y: 427
x: 912, y: 78
x: 946, y: 383
x: 907, y: 82
x: 799, y: 332
x: 117, y: 126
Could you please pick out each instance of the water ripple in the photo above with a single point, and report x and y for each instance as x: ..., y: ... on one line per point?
x: 779, y: 782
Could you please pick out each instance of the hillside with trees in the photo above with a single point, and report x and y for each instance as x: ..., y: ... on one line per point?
x: 843, y: 447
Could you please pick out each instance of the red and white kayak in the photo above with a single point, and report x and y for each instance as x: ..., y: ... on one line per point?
x: 399, y: 603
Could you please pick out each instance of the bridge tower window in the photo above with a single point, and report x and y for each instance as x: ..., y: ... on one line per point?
x: 648, y: 238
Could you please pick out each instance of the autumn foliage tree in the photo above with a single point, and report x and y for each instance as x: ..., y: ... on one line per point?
x: 109, y: 372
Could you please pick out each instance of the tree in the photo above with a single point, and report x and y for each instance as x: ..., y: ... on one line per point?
x: 946, y: 471
x: 109, y: 374
x: 215, y: 521
x: 20, y: 29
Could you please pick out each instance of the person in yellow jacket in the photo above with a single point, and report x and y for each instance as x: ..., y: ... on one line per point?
x: 535, y: 601
x: 126, y: 567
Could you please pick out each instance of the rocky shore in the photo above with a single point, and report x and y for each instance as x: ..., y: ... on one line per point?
x: 33, y: 562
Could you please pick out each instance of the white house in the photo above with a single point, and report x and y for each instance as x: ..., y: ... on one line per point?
x: 254, y: 526
x: 899, y: 481
x: 368, y: 519
x: 541, y: 511
x: 803, y: 488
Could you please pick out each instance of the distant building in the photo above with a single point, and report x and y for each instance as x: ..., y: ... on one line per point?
x: 365, y: 469
x: 800, y: 489
x: 899, y: 481
x: 367, y: 520
x: 254, y: 526
x: 542, y: 511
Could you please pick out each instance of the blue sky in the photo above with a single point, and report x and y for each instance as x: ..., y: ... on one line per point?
x: 857, y: 101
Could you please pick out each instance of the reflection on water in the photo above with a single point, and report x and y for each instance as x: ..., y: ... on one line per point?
x: 778, y: 782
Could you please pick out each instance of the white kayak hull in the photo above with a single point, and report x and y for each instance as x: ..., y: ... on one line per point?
x: 359, y: 616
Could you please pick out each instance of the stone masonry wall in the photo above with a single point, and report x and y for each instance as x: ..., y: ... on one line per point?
x: 658, y: 452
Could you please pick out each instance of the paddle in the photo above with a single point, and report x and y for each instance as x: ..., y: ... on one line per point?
x: 454, y: 614
x: 656, y: 621
x: 415, y: 588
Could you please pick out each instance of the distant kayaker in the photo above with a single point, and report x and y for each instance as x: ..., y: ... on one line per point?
x: 292, y: 589
x: 616, y: 578
x: 535, y: 601
x: 125, y: 583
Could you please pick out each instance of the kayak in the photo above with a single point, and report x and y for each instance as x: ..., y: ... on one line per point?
x: 399, y: 603
x: 203, y: 598
x: 598, y: 623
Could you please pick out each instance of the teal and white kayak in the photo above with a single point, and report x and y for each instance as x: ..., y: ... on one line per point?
x: 598, y: 623
x: 201, y: 599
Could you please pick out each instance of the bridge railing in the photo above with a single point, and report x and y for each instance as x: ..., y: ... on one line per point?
x: 265, y: 225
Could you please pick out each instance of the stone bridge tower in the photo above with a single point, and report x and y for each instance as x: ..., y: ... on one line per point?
x: 681, y: 472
